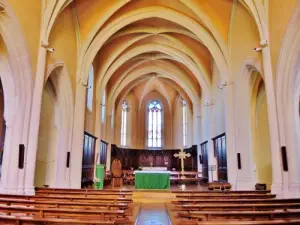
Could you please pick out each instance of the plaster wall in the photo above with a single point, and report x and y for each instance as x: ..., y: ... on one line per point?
x: 280, y: 14
x: 30, y: 25
x: 241, y: 44
x: 63, y: 40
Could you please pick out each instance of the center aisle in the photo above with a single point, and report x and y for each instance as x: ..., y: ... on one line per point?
x: 153, y: 214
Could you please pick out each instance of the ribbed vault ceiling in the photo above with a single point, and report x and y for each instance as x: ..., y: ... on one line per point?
x: 168, y: 46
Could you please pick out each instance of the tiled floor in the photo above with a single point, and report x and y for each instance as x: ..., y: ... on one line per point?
x: 153, y: 214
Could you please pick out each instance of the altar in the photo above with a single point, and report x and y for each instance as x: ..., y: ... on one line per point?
x: 151, y: 179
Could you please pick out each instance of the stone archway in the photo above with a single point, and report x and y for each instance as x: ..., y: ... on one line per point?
x: 17, y: 81
x: 55, y: 130
x: 288, y: 92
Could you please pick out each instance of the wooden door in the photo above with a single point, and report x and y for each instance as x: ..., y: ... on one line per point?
x: 204, y: 160
x: 220, y: 153
x: 88, y: 159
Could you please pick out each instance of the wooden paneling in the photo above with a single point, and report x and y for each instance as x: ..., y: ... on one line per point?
x: 204, y: 156
x: 220, y: 153
x: 134, y: 158
x: 88, y: 158
x: 103, y: 152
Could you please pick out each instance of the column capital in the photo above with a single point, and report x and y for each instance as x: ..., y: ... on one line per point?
x: 82, y: 82
x: 44, y: 43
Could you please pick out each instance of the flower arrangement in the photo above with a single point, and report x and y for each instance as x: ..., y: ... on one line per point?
x: 96, y: 183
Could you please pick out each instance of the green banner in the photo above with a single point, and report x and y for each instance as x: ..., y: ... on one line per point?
x: 99, y: 181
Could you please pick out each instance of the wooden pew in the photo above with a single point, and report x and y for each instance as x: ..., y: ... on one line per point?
x: 83, y: 190
x: 59, y: 204
x: 216, y: 186
x: 209, y: 215
x: 225, y: 192
x: 240, y: 222
x: 70, y: 199
x: 225, y: 196
x: 84, y: 194
x: 38, y: 221
x: 117, y: 215
x: 237, y: 207
x: 237, y: 201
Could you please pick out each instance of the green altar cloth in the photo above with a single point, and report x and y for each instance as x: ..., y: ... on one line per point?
x: 99, y: 176
x: 152, y: 180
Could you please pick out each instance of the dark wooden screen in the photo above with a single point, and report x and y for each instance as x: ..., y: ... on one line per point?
x: 3, y: 125
x: 220, y: 153
x: 204, y: 156
x: 134, y: 158
x: 88, y: 159
x: 103, y: 152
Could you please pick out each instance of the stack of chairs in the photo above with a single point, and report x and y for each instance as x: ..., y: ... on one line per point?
x: 68, y: 206
x: 234, y: 207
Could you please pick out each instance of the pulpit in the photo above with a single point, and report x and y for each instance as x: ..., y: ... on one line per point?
x: 116, y: 172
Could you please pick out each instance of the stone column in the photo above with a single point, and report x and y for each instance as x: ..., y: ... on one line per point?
x: 78, y: 132
x: 230, y: 136
x: 212, y: 160
x: 277, y: 172
x: 31, y: 150
x: 10, y: 171
x: 98, y: 130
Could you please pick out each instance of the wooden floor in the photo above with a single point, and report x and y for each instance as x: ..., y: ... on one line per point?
x: 154, y: 206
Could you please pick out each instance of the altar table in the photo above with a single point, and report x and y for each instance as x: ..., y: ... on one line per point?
x: 152, y: 179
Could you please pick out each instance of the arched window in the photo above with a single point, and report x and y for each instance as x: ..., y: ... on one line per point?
x: 90, y: 90
x: 184, y: 122
x: 154, y: 124
x: 124, y: 124
x: 103, y: 107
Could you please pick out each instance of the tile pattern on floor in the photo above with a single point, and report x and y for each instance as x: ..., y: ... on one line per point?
x: 153, y: 214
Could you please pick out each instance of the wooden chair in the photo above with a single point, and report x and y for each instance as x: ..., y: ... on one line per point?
x: 117, y: 179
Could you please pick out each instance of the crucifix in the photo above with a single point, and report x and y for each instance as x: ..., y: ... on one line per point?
x: 182, y: 156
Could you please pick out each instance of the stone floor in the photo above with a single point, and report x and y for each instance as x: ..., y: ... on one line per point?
x: 153, y: 214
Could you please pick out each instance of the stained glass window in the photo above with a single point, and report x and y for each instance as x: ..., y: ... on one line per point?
x: 184, y: 122
x: 154, y: 124
x: 124, y: 124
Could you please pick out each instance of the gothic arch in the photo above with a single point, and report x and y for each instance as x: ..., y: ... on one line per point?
x: 287, y: 85
x: 17, y: 79
x: 58, y: 75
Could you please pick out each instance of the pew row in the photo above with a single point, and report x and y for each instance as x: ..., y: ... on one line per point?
x: 225, y: 196
x: 237, y: 207
x: 84, y: 194
x: 82, y: 190
x: 234, y: 222
x: 237, y: 201
x: 19, y: 220
x: 250, y: 215
x: 70, y: 198
x: 222, y: 191
x: 118, y: 216
x: 57, y: 204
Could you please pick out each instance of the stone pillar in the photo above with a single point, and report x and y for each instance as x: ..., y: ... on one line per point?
x: 98, y: 130
x: 230, y: 136
x: 277, y: 172
x: 10, y: 171
x: 212, y: 160
x: 62, y: 173
x: 78, y: 132
x: 31, y: 150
